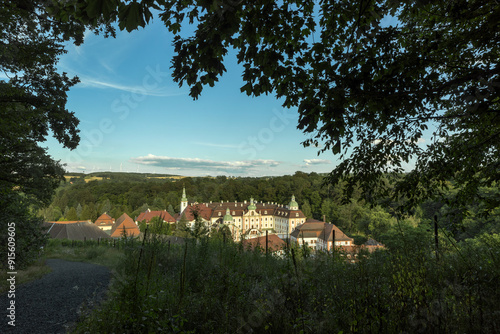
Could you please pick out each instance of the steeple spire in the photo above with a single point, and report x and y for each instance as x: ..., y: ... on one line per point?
x: 293, y: 205
x: 184, y: 200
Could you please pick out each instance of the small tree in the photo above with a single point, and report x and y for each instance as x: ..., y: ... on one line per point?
x: 199, y: 230
x: 79, y: 211
x: 71, y: 214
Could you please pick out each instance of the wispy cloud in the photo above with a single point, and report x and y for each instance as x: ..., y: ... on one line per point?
x: 203, y: 164
x: 74, y: 167
x: 310, y: 162
x: 159, y: 91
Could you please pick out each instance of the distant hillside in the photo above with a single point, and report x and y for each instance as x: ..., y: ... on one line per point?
x: 86, y: 196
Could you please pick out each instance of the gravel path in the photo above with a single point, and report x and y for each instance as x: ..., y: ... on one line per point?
x: 51, y: 303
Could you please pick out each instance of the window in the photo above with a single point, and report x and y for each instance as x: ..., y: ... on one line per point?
x: 297, y: 214
x: 265, y: 212
x: 220, y: 213
x: 233, y: 213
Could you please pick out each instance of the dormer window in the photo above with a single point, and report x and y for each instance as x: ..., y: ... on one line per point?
x: 297, y: 214
x: 220, y: 214
x: 265, y: 212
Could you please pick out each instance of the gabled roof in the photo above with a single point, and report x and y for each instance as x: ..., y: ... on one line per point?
x: 327, y: 234
x: 104, y: 220
x: 74, y: 231
x: 124, y: 224
x: 317, y: 229
x: 202, y: 209
x: 148, y: 215
x: 274, y: 243
x: 122, y: 218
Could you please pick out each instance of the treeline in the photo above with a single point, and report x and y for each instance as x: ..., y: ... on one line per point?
x: 134, y: 193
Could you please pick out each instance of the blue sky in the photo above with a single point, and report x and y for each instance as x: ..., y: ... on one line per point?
x: 133, y: 117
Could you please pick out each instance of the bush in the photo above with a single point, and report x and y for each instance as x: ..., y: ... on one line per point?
x: 208, y: 286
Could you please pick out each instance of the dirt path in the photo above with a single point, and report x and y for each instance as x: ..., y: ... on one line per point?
x: 51, y: 303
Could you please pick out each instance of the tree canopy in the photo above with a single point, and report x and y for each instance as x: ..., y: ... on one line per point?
x: 33, y: 96
x: 370, y: 79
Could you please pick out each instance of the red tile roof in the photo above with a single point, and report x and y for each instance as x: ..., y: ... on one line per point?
x: 202, y: 209
x: 104, y: 220
x: 124, y: 224
x: 241, y: 208
x: 148, y: 215
x: 274, y: 243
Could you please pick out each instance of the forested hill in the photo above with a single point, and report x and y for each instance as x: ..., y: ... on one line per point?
x: 86, y: 196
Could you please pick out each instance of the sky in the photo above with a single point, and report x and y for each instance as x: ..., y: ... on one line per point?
x: 135, y: 118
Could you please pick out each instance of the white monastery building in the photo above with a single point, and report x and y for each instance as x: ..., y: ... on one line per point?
x: 246, y: 219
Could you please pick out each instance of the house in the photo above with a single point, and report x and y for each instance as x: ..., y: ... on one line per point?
x: 125, y: 226
x: 148, y: 215
x: 320, y: 235
x: 105, y: 222
x: 248, y: 219
x: 274, y: 244
x: 74, y: 230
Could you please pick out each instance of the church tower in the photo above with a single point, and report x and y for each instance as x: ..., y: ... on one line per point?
x: 184, y: 201
x: 228, y: 219
x: 293, y: 204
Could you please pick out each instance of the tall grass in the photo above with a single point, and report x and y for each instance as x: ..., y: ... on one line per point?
x: 208, y: 286
x: 103, y: 253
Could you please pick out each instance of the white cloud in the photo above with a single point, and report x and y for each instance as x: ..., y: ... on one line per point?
x: 317, y: 162
x: 73, y: 167
x: 203, y: 164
